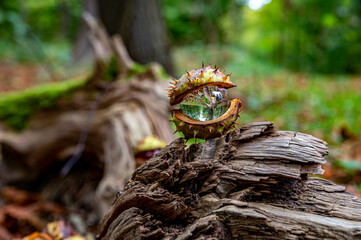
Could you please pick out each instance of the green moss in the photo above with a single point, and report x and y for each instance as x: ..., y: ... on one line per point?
x: 111, y: 70
x: 137, y: 69
x: 17, y: 107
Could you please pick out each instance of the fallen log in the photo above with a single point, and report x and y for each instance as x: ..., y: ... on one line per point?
x: 251, y: 184
x: 98, y: 127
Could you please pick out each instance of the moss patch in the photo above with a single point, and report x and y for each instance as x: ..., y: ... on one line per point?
x: 16, y: 108
x: 111, y: 70
x: 137, y: 69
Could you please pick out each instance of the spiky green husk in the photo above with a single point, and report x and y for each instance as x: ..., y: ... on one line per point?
x: 197, y: 78
x: 191, y: 81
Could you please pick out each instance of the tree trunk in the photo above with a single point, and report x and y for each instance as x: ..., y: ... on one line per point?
x: 139, y: 23
x: 252, y: 184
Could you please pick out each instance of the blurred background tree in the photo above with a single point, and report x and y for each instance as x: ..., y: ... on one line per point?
x: 139, y: 22
x: 142, y: 27
x: 307, y: 35
x: 193, y: 21
x: 300, y: 35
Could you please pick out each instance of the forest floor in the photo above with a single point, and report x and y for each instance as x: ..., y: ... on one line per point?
x: 326, y: 106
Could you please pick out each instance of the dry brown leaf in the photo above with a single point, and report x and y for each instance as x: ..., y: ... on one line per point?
x: 24, y: 214
x: 59, y: 230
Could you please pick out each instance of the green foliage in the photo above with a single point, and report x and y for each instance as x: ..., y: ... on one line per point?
x: 320, y: 105
x: 300, y: 103
x: 16, y: 108
x: 27, y: 27
x: 300, y: 35
x: 348, y: 165
x: 137, y: 68
x: 190, y: 21
x: 306, y: 35
x: 46, y: 19
x: 111, y: 70
x: 311, y: 36
x: 225, y: 56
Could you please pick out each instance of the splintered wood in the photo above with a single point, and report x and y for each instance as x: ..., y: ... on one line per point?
x: 251, y: 184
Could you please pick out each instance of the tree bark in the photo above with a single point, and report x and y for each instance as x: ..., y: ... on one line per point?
x: 139, y: 23
x: 251, y: 184
x: 144, y: 32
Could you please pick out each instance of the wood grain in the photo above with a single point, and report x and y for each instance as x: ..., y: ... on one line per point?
x: 252, y: 184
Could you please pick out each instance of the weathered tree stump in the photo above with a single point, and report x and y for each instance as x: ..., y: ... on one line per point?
x: 252, y: 184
